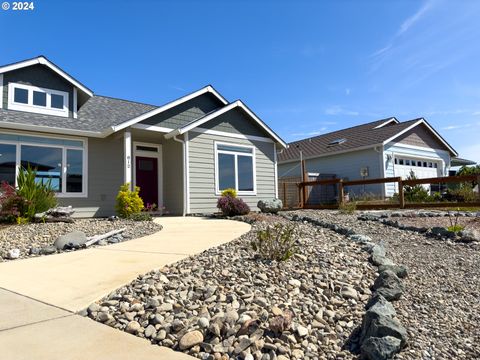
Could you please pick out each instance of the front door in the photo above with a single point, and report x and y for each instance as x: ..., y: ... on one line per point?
x: 146, y: 175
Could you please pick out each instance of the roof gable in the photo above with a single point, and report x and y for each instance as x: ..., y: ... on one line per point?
x: 42, y: 60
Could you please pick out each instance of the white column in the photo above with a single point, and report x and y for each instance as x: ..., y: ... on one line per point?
x: 127, y: 160
x: 75, y: 96
x: 275, y: 168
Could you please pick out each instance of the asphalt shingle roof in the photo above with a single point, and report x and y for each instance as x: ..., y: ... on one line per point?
x: 356, y: 137
x: 97, y: 114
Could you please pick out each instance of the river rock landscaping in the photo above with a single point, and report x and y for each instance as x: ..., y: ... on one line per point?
x: 440, y: 308
x: 227, y: 303
x: 37, y: 239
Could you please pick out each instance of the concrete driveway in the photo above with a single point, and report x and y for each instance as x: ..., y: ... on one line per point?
x: 39, y: 296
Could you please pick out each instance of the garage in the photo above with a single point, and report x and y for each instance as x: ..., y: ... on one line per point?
x: 423, y: 168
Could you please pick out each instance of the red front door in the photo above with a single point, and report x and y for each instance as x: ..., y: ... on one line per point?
x: 147, y: 179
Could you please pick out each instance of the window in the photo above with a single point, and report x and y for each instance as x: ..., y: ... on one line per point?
x: 396, y: 161
x: 235, y: 168
x: 400, y: 161
x: 39, y: 100
x: 8, y: 155
x: 407, y: 162
x: 419, y: 163
x: 59, y: 162
x: 337, y: 142
x: 21, y: 96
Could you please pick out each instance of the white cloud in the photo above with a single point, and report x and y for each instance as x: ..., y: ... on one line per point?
x: 409, y: 22
x: 338, y: 110
x: 347, y: 91
x: 476, y: 113
x: 454, y: 127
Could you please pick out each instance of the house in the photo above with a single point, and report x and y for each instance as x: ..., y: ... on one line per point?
x: 383, y: 148
x: 181, y: 154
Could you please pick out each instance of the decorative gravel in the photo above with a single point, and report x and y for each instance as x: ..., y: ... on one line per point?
x: 441, y: 306
x: 39, y: 235
x: 226, y: 303
x: 466, y: 222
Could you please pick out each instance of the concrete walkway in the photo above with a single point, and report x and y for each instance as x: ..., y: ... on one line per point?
x: 39, y: 296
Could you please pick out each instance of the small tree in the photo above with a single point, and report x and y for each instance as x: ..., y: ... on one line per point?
x: 129, y: 201
x: 416, y: 193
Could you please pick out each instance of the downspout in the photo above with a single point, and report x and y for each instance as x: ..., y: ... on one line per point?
x: 184, y: 174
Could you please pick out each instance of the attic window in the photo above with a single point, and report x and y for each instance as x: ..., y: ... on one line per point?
x: 337, y: 142
x: 38, y: 100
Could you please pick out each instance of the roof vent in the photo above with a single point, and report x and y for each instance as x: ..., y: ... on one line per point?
x: 337, y: 141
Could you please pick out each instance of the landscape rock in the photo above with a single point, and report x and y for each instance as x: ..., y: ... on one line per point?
x: 190, y: 339
x: 383, y: 348
x: 270, y: 206
x: 388, y: 285
x: 377, y: 325
x: 13, y: 254
x: 133, y: 327
x: 469, y: 235
x: 399, y: 270
x: 73, y: 239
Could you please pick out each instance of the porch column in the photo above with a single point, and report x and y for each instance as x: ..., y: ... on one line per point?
x: 127, y: 160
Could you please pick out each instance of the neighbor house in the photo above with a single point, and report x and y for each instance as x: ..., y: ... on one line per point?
x: 181, y: 154
x: 383, y: 148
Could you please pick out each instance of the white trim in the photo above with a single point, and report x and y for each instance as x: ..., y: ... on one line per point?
x: 275, y: 168
x: 156, y: 155
x: 387, y: 122
x: 414, y: 147
x: 75, y: 102
x: 184, y: 179
x: 152, y: 128
x: 232, y: 135
x: 238, y: 103
x: 415, y: 124
x: 30, y: 107
x: 127, y: 158
x: 187, y: 172
x: 382, y: 171
x: 63, y: 191
x: 170, y: 105
x: 44, y: 61
x: 236, y: 154
x: 1, y: 91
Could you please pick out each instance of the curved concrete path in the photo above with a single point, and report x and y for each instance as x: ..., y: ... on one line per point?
x: 39, y: 296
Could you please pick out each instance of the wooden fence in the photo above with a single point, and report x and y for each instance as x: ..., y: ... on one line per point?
x: 302, y: 188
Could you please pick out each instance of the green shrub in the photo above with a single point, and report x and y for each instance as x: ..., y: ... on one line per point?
x: 230, y: 192
x: 140, y: 216
x: 416, y: 193
x: 276, y: 242
x: 39, y: 197
x: 455, y: 228
x: 128, y: 201
x: 22, y: 220
x: 348, y: 207
x: 464, y: 193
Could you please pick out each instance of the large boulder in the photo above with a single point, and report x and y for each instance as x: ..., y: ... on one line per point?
x: 270, y: 206
x: 388, y: 285
x: 470, y: 235
x: 383, y: 348
x: 399, y: 270
x: 378, y: 304
x: 72, y: 240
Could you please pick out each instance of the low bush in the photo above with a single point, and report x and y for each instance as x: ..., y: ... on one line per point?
x: 129, y: 201
x: 11, y: 204
x: 230, y: 192
x: 140, y: 216
x: 455, y: 228
x: 232, y: 206
x: 348, y: 207
x: 276, y: 242
x: 464, y: 193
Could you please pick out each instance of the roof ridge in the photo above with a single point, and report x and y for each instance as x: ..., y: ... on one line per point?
x: 126, y: 100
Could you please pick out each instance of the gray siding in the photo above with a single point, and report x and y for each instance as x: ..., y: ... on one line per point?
x: 421, y: 136
x: 202, y: 171
x: 346, y: 165
x: 37, y: 75
x: 235, y: 121
x: 186, y: 112
x: 105, y: 175
x: 173, y: 177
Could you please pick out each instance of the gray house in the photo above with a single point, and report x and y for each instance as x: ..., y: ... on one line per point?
x: 383, y: 148
x: 181, y: 154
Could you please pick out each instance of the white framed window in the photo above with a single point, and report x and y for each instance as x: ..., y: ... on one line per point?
x: 39, y: 100
x: 60, y: 161
x: 235, y: 168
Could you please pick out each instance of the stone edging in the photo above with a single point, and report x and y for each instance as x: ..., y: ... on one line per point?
x: 381, y: 335
x: 434, y: 232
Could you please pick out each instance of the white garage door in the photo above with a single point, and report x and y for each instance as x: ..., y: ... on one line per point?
x: 423, y: 168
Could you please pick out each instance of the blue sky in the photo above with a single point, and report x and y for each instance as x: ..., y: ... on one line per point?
x: 305, y: 67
